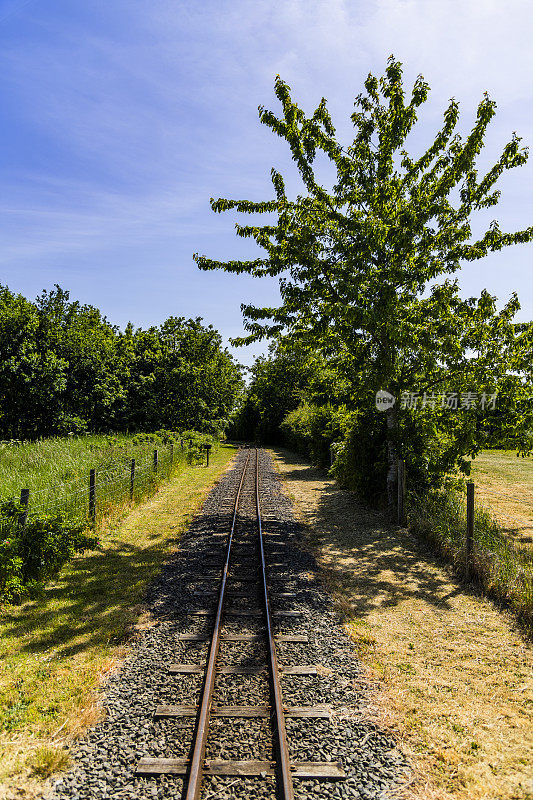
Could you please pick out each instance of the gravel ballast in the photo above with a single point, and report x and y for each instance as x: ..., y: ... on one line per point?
x: 104, y: 761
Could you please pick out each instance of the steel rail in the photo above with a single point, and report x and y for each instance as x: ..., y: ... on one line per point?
x: 204, y: 713
x: 285, y: 785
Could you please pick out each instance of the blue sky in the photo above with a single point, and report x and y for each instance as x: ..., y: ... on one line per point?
x: 121, y: 120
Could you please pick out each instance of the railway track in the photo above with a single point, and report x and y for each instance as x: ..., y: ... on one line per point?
x: 247, y: 558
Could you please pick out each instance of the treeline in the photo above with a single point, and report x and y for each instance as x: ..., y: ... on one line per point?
x: 310, y: 402
x: 64, y: 368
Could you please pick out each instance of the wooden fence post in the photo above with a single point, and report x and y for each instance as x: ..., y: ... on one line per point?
x: 24, y: 500
x: 92, y: 496
x: 155, y: 461
x: 469, y: 527
x: 208, y: 450
x: 132, y: 477
x: 401, y: 491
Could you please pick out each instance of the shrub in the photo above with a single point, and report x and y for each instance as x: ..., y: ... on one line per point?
x: 33, y: 554
x: 157, y: 437
x: 312, y: 429
x: 361, y: 457
x: 195, y: 444
x: 356, y: 439
x: 359, y: 441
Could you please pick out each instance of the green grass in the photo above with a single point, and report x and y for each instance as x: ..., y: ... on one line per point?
x: 56, y: 463
x: 46, y: 761
x: 56, y: 470
x: 55, y: 650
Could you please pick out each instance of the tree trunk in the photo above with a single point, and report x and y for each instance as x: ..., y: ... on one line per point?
x: 392, y: 460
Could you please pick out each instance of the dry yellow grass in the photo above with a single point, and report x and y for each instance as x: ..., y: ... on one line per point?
x: 55, y: 651
x: 454, y: 674
x: 504, y: 485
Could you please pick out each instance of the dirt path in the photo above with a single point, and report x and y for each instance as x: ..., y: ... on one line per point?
x: 455, y: 674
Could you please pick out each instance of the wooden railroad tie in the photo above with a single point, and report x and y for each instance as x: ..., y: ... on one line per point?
x: 237, y: 669
x: 300, y: 712
x: 241, y: 637
x: 232, y: 594
x: 237, y: 612
x: 180, y: 766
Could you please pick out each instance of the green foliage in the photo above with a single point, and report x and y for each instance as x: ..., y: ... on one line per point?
x: 65, y: 369
x: 364, y: 272
x: 179, y: 377
x: 355, y: 439
x: 276, y: 387
x: 313, y: 429
x: 195, y: 444
x: 32, y: 554
x: 157, y: 437
x: 360, y: 460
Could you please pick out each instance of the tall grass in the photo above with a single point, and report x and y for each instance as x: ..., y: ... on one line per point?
x: 51, y: 467
x: 36, y: 542
x: 504, y: 570
x: 56, y: 470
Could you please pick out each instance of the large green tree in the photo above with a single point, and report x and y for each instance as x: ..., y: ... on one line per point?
x: 364, y: 265
x: 32, y: 376
x: 180, y: 377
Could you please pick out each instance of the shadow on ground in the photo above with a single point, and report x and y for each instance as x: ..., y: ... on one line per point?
x: 381, y: 564
x: 85, y: 605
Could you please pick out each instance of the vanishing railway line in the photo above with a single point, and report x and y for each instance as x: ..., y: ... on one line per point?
x: 249, y: 559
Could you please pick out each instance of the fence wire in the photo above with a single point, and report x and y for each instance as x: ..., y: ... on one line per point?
x: 503, y: 495
x: 113, y: 485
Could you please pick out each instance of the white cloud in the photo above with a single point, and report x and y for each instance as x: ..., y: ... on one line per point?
x: 465, y: 46
x: 100, y: 219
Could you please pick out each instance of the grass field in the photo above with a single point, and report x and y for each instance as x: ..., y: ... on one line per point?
x: 56, y: 470
x: 504, y: 485
x: 56, y: 650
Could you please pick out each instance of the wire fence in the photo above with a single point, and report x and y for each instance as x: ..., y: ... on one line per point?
x: 88, y: 498
x: 469, y: 531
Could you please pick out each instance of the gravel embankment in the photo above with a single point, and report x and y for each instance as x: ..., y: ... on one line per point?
x: 105, y: 760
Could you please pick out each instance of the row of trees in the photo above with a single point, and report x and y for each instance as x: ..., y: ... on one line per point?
x: 65, y: 368
x: 368, y: 297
